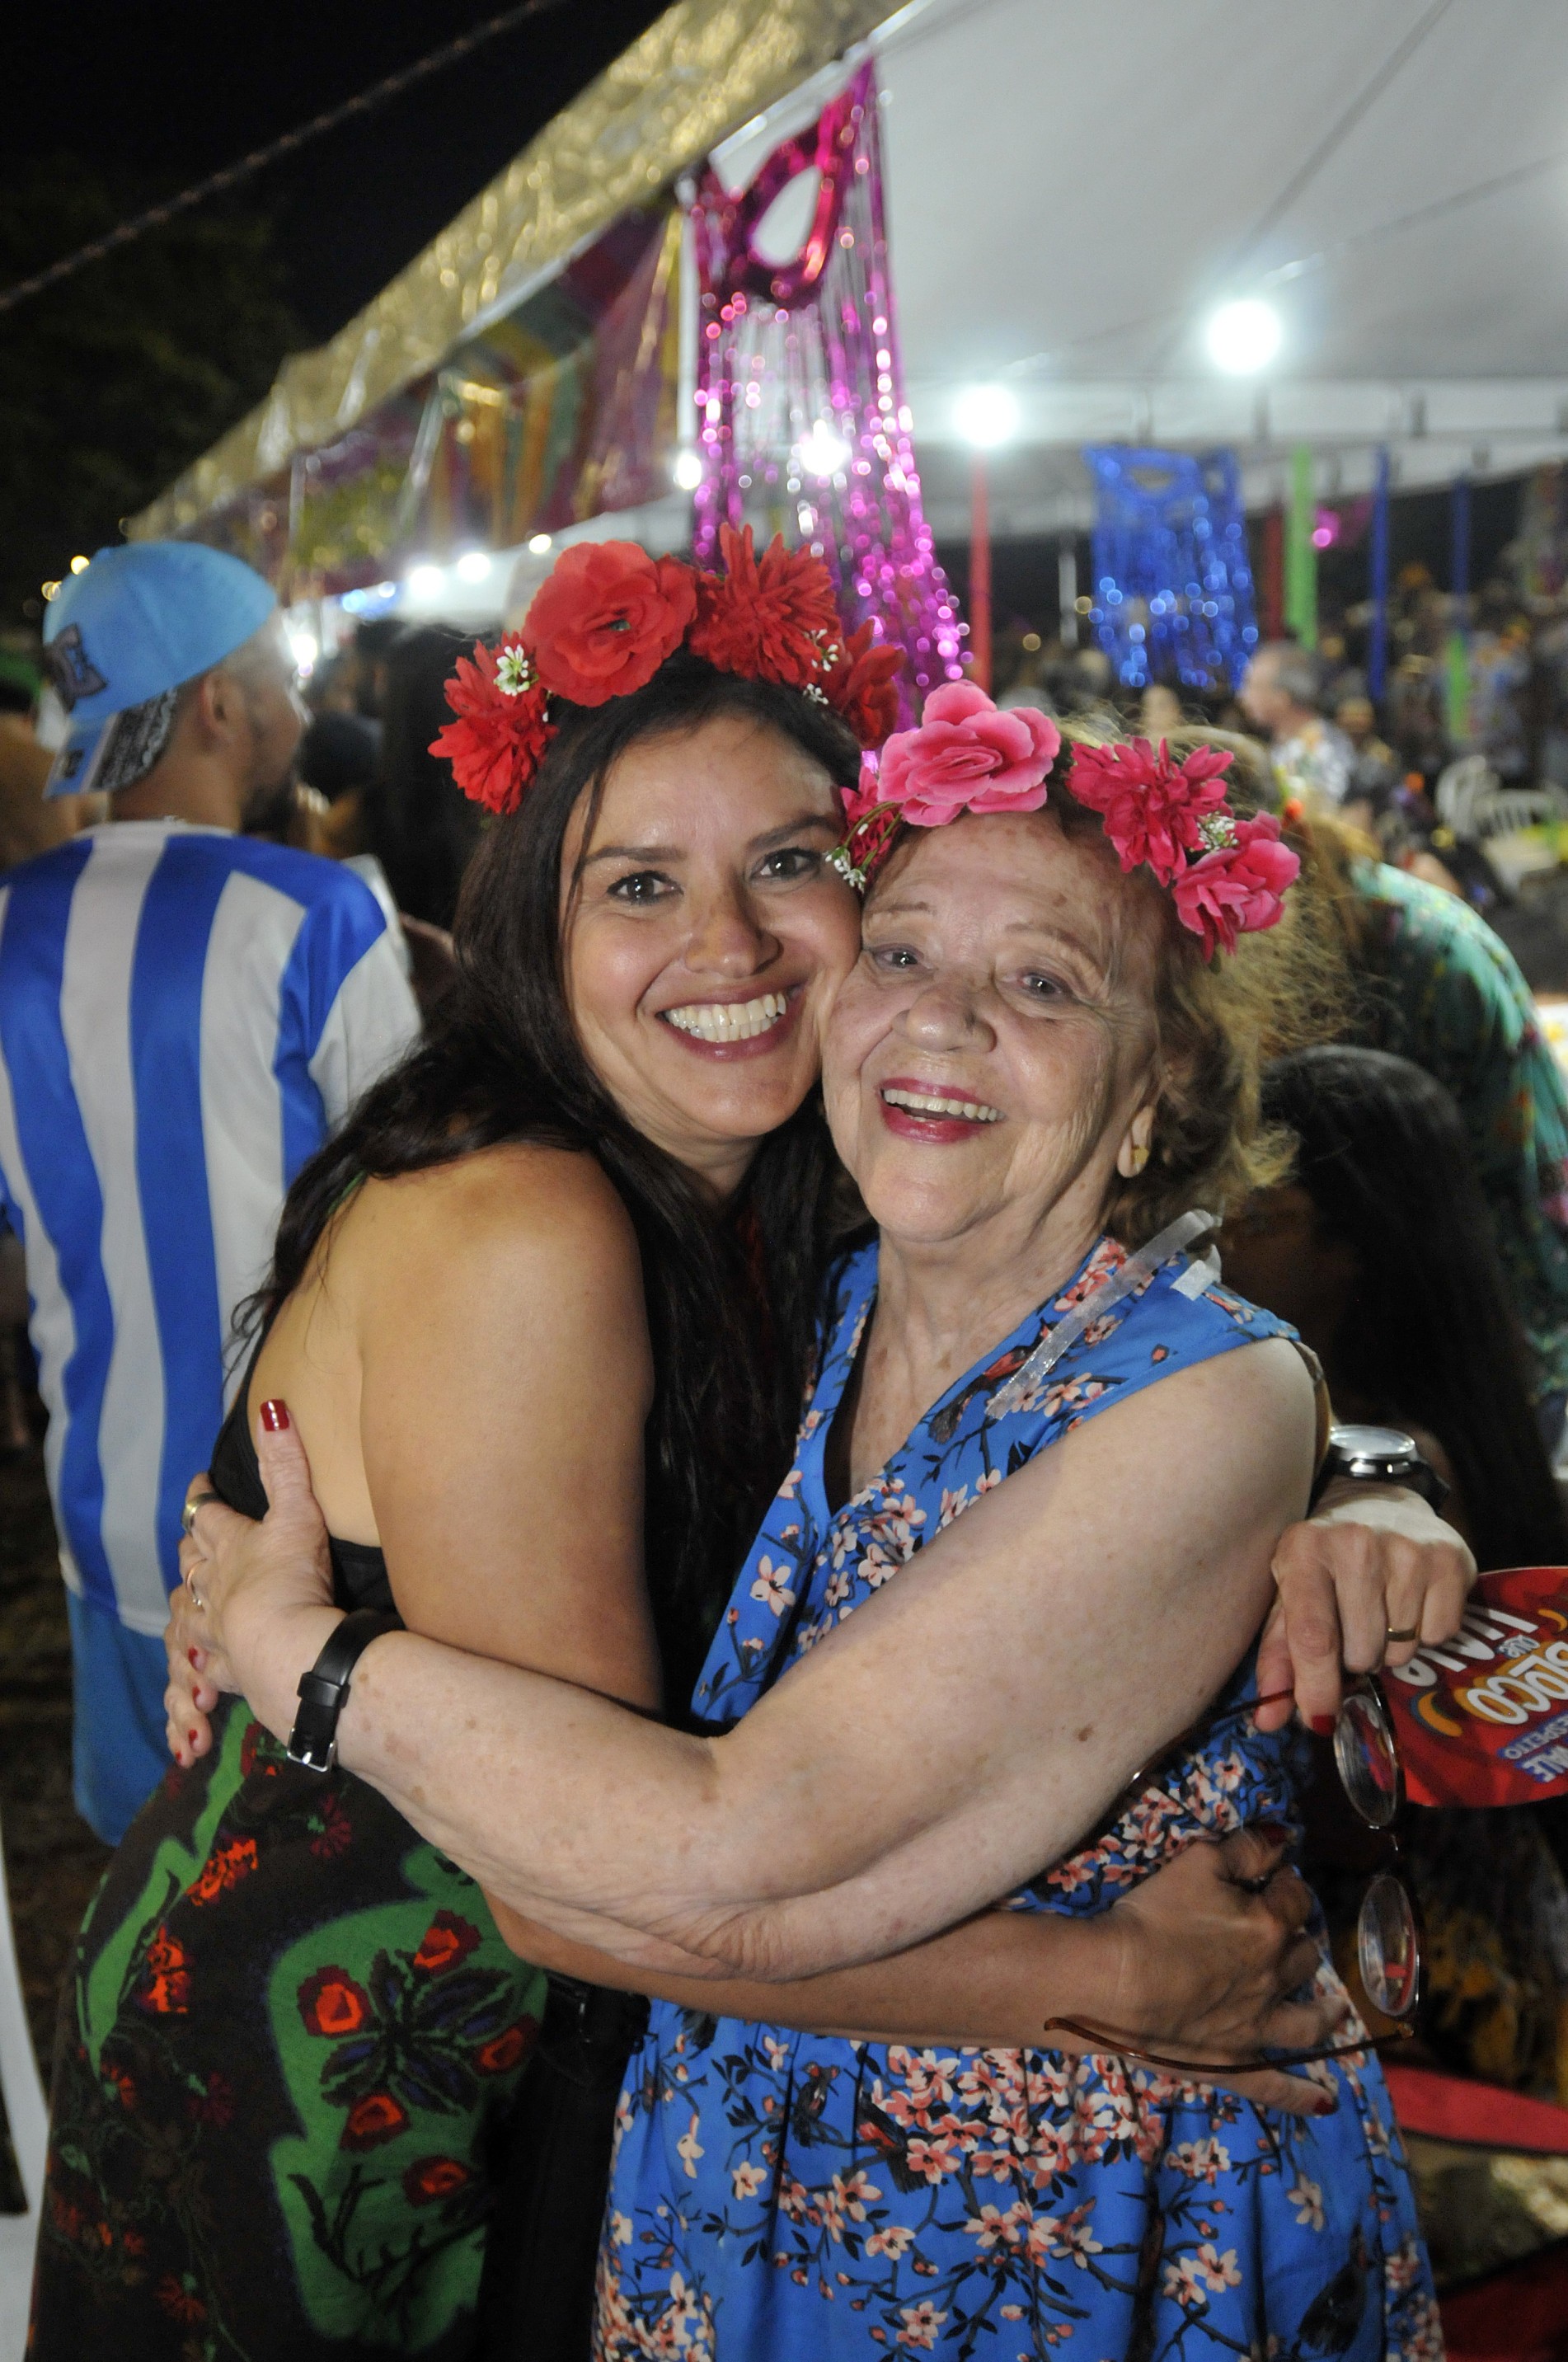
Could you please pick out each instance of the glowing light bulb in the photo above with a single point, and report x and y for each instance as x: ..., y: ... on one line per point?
x: 687, y: 470
x: 539, y: 543
x: 425, y: 582
x: 986, y: 416
x: 79, y: 565
x: 1243, y: 338
x: 304, y: 649
x: 473, y: 565
x: 822, y: 452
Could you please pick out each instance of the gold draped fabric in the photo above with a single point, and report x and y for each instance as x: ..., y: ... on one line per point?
x: 704, y: 69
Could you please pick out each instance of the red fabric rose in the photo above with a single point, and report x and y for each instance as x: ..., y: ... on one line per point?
x: 505, y: 2049
x: 433, y: 2178
x: 372, y: 2120
x: 499, y: 739
x: 768, y: 618
x: 1153, y: 809
x: 968, y: 755
x: 605, y: 618
x: 446, y: 1941
x: 331, y: 2003
x: 1240, y: 889
x: 862, y: 685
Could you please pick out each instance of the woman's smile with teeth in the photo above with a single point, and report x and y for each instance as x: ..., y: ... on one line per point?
x: 934, y: 1103
x: 728, y: 1020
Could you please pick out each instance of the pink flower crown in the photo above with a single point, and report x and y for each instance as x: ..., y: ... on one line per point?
x: 1226, y: 877
x: 609, y: 615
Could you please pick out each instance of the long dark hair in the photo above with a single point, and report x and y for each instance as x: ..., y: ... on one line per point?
x: 733, y: 1298
x: 419, y: 823
x: 1429, y: 1335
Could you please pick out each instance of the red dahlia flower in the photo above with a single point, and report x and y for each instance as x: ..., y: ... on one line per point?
x: 606, y: 619
x: 1153, y: 809
x: 499, y: 741
x: 861, y: 686
x: 768, y: 618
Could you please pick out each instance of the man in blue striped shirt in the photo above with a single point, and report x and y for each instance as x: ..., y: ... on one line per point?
x: 185, y: 1014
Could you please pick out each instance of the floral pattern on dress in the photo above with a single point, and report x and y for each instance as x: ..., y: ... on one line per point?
x: 779, y: 2196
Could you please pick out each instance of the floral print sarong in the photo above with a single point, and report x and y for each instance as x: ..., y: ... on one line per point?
x: 782, y: 2197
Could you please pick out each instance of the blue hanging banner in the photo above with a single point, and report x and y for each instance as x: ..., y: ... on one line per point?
x: 1173, y: 582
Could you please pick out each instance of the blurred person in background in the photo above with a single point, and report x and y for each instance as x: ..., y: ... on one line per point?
x: 416, y: 821
x: 1380, y: 1253
x: 1280, y: 695
x: 186, y: 1013
x: 1432, y: 982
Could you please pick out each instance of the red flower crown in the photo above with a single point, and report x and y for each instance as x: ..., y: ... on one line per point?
x: 1226, y: 877
x: 607, y: 618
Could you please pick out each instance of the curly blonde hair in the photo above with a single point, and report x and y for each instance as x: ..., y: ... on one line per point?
x: 1219, y: 1022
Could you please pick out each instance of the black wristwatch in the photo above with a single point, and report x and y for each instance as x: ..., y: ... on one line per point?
x: 313, y: 1741
x: 1381, y: 1455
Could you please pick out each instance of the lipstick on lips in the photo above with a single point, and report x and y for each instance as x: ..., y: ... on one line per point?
x: 932, y: 1112
x: 735, y: 1029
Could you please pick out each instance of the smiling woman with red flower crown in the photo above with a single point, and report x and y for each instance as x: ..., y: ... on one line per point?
x: 543, y: 1315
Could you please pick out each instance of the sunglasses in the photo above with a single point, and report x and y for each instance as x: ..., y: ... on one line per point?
x: 1387, y: 1932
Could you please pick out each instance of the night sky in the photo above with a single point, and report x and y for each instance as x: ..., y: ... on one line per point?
x: 172, y: 92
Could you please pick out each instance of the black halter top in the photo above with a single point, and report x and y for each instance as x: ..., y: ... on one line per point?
x: 359, y: 1569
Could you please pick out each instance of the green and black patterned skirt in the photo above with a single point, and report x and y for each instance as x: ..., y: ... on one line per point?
x: 289, y: 2044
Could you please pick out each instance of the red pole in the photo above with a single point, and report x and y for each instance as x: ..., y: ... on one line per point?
x: 979, y: 576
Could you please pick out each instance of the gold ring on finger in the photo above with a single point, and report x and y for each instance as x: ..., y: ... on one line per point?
x: 1412, y: 1633
x: 188, y: 1514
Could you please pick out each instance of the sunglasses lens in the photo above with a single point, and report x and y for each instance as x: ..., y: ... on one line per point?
x: 1388, y: 1946
x: 1367, y: 1759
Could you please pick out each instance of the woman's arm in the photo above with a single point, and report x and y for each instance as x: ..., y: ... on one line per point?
x: 1197, y: 1961
x: 968, y: 1725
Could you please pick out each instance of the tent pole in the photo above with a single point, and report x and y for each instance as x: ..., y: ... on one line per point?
x: 1377, y: 651
x: 979, y: 575
x: 1068, y: 589
x: 1301, y: 552
x: 1459, y: 627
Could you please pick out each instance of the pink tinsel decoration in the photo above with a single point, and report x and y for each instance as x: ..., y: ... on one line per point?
x: 801, y: 417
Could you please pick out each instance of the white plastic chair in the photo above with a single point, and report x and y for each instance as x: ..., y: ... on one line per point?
x: 27, y: 2115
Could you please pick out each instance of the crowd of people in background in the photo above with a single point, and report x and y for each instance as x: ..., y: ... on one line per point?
x: 1419, y: 1247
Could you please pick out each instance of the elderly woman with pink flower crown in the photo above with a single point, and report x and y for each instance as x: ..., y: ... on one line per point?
x: 1022, y: 1551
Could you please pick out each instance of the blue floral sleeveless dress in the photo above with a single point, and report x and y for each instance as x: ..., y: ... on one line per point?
x: 784, y: 2197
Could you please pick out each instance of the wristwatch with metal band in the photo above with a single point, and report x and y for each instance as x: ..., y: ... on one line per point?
x: 313, y: 1741
x: 1381, y: 1455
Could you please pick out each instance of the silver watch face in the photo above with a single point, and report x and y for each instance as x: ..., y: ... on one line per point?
x: 1381, y: 1444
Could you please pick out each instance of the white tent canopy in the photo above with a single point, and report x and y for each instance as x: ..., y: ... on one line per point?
x: 1073, y: 189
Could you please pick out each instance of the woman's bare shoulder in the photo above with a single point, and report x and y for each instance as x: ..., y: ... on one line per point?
x: 518, y: 1218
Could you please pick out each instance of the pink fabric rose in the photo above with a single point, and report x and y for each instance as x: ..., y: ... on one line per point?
x: 1153, y: 808
x: 967, y: 756
x: 1240, y: 889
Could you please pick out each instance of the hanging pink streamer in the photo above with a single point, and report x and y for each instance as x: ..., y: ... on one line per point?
x: 803, y: 425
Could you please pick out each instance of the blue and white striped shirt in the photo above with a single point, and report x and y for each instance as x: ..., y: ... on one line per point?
x: 184, y: 1015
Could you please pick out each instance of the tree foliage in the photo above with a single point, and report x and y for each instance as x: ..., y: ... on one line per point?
x: 116, y: 379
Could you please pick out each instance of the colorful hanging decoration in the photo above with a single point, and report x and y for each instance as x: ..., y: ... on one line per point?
x: 803, y: 425
x: 560, y: 410
x: 1173, y: 582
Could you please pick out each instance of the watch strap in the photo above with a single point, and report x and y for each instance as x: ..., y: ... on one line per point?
x: 313, y: 1741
